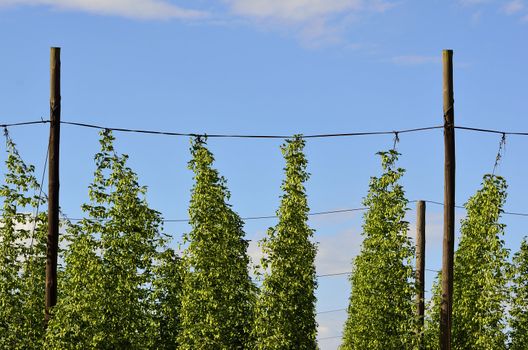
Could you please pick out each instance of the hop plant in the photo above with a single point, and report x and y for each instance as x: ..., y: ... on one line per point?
x: 22, y: 256
x: 380, y: 312
x: 519, y: 303
x: 217, y: 294
x: 286, y: 303
x: 105, y: 288
x: 481, y: 269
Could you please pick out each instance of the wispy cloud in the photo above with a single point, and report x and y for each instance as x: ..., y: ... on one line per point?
x: 415, y: 59
x: 293, y: 10
x: 329, y: 329
x: 335, y: 252
x: 473, y: 2
x: 509, y: 7
x: 513, y: 7
x: 314, y: 22
x: 137, y: 9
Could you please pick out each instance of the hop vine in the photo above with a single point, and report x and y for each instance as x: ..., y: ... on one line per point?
x: 380, y: 312
x: 104, y: 293
x: 481, y: 270
x: 286, y: 304
x: 218, y: 295
x: 22, y: 255
x: 519, y: 303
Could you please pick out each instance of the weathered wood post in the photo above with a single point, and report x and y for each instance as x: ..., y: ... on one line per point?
x: 53, y: 184
x: 449, y: 204
x: 420, y: 269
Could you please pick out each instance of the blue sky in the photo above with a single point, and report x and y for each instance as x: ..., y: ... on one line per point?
x: 276, y: 67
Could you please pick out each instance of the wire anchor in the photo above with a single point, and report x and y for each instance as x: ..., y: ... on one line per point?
x: 500, y: 152
x: 396, y: 140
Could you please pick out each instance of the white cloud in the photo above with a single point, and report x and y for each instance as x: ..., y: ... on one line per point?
x: 137, y: 9
x: 314, y: 22
x: 335, y: 252
x: 330, y: 327
x: 513, y: 7
x: 255, y: 251
x: 414, y: 59
x: 509, y: 7
x: 293, y: 10
x: 473, y: 2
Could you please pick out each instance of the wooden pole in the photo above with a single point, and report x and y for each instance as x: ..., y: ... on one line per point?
x: 449, y: 204
x: 53, y: 183
x: 420, y: 270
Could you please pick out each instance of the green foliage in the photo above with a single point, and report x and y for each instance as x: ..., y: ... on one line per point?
x: 166, y: 296
x: 480, y: 271
x: 380, y: 313
x: 105, y: 297
x: 432, y: 316
x: 217, y: 294
x: 519, y: 305
x: 22, y: 256
x: 286, y: 304
x: 480, y: 275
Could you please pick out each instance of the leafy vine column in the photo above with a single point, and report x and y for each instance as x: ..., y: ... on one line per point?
x: 217, y: 294
x: 480, y: 290
x: 519, y: 306
x: 105, y: 288
x: 286, y: 304
x: 22, y: 255
x: 381, y: 309
x: 481, y: 271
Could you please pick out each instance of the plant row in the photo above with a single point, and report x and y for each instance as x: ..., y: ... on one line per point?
x: 121, y: 286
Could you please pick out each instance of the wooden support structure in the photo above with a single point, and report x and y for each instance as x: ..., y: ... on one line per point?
x: 420, y: 270
x: 53, y: 184
x: 449, y: 203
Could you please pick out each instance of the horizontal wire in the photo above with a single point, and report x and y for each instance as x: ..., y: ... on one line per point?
x: 275, y: 216
x: 170, y: 133
x: 442, y: 204
x: 328, y: 338
x: 25, y: 123
x: 330, y: 311
x: 335, y: 274
x: 492, y: 131
x: 431, y: 270
x: 350, y: 272
x: 329, y: 212
x: 462, y: 207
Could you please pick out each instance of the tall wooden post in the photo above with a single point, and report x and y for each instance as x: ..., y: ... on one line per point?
x: 53, y: 183
x: 449, y: 204
x: 420, y: 269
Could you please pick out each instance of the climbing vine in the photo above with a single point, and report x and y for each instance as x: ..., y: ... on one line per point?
x: 286, y: 304
x: 481, y: 269
x: 105, y: 300
x: 519, y: 305
x: 22, y: 255
x: 380, y: 312
x: 218, y: 295
x: 167, y: 286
